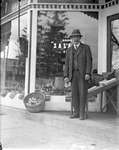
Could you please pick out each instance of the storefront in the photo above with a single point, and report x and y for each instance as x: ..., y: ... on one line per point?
x: 43, y: 28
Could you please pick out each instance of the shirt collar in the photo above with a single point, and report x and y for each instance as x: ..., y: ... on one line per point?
x: 76, y: 45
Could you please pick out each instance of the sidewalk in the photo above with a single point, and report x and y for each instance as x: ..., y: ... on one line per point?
x: 54, y: 130
x: 55, y: 102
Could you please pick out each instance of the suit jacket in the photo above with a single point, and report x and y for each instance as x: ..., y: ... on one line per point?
x: 84, y: 61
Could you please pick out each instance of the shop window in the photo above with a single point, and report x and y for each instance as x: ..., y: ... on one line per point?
x: 8, y: 6
x: 13, y: 53
x: 53, y: 31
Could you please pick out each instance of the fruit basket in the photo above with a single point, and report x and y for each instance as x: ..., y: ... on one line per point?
x: 35, y: 102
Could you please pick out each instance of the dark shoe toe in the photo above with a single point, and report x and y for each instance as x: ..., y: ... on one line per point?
x: 74, y: 116
x: 82, y: 118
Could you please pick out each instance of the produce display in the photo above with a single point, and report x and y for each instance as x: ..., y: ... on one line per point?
x: 35, y: 102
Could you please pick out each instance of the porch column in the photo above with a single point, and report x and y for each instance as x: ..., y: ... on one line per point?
x: 102, y: 43
x: 30, y: 72
x: 117, y: 75
x: 102, y: 36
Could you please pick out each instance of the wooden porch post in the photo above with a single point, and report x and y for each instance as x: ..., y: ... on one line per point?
x: 117, y: 76
x: 30, y: 72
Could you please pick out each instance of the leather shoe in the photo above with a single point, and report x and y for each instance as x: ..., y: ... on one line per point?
x: 83, y: 117
x: 74, y: 116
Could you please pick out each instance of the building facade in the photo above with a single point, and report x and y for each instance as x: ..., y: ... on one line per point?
x: 36, y: 32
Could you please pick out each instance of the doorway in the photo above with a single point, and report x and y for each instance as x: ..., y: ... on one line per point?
x: 112, y: 42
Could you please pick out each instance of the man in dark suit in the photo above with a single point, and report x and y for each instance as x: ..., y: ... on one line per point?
x: 78, y: 66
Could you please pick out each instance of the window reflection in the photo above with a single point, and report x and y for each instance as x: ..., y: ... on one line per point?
x: 115, y: 44
x: 12, y: 64
x: 8, y: 6
x: 53, y: 31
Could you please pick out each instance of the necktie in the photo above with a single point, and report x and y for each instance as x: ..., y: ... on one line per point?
x: 75, y: 46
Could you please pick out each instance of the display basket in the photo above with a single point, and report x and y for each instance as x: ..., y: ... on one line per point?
x: 35, y: 102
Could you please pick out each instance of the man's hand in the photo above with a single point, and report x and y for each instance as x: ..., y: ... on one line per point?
x: 87, y: 77
x: 66, y: 80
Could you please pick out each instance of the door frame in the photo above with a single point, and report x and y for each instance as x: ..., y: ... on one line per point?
x: 109, y: 35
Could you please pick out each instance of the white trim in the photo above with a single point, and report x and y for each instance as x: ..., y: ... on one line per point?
x: 59, y: 7
x: 102, y: 38
x: 27, y: 59
x: 33, y: 52
x: 30, y: 74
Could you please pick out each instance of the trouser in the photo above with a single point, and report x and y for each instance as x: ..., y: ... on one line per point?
x: 79, y: 93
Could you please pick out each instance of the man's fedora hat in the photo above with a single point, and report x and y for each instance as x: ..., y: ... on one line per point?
x: 76, y: 32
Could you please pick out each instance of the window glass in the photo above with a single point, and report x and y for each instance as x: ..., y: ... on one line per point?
x: 53, y: 31
x: 8, y: 6
x: 13, y: 54
x: 115, y: 44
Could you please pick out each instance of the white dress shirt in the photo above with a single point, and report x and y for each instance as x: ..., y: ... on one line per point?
x: 76, y: 45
